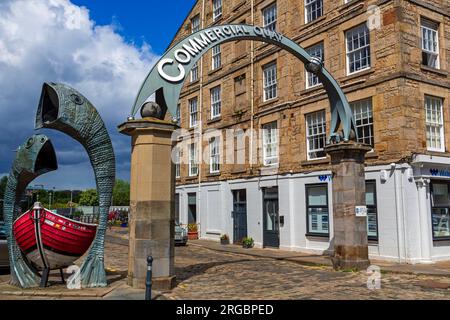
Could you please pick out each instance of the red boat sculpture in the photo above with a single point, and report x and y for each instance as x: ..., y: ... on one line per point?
x: 51, y: 241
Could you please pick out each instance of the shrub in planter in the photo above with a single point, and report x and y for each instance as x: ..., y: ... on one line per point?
x: 224, y: 239
x: 192, y: 231
x: 248, y: 243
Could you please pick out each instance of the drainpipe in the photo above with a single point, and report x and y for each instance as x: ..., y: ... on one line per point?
x: 252, y: 91
x: 398, y: 215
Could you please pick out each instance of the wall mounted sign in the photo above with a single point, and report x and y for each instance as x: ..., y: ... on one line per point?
x: 361, y: 211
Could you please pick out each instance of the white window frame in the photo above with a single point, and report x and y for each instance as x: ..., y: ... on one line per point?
x: 430, y: 47
x: 216, y: 56
x: 193, y: 160
x: 178, y: 114
x: 193, y: 112
x: 214, y: 155
x: 269, y: 14
x: 316, y: 130
x: 194, y: 72
x: 195, y: 24
x: 216, y: 102
x: 363, y: 113
x: 270, y: 144
x: 434, y: 119
x: 357, y: 31
x: 309, y: 12
x: 178, y: 163
x: 217, y: 9
x: 270, y: 84
x: 316, y: 50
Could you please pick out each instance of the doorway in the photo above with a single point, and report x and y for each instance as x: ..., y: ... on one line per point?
x: 192, y: 208
x: 271, y: 218
x: 239, y: 215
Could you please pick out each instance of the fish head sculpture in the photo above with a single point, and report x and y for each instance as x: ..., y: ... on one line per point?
x: 34, y: 158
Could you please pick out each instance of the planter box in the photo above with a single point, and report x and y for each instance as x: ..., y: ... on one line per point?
x: 193, y: 235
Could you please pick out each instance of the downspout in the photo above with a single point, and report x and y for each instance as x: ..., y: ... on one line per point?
x: 252, y: 90
x: 398, y: 216
x: 405, y: 240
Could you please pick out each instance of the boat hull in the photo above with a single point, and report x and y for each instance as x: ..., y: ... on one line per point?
x: 51, y: 241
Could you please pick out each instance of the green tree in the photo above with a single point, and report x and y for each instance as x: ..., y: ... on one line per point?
x: 121, y: 193
x: 3, y: 183
x: 89, y: 198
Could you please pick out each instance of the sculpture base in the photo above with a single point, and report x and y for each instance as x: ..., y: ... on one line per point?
x: 159, y: 284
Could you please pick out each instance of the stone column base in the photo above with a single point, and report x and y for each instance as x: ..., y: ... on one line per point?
x: 357, y: 265
x: 160, y: 284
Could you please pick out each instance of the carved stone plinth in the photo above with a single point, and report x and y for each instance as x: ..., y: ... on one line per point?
x: 152, y: 202
x: 350, y: 231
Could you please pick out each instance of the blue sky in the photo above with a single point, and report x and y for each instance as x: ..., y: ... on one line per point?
x: 102, y: 48
x: 155, y: 22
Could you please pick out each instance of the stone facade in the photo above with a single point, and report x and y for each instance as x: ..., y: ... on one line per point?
x: 396, y: 82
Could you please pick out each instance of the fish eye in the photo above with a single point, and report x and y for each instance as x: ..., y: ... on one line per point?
x: 42, y: 140
x: 30, y: 143
x: 76, y: 99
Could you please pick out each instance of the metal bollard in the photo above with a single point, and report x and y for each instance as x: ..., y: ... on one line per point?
x: 148, y: 281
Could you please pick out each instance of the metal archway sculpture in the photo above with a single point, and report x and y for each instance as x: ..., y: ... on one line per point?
x: 166, y: 79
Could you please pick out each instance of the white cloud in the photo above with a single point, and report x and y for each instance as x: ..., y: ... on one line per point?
x: 55, y: 40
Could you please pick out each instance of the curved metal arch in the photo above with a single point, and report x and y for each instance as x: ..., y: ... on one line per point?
x: 167, y: 77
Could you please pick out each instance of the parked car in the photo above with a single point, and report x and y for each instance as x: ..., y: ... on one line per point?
x: 181, y: 236
x: 4, y: 258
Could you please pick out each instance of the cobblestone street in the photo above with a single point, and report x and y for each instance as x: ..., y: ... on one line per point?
x: 208, y: 274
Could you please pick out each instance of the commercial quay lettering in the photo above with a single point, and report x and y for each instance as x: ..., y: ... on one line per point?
x: 196, y: 45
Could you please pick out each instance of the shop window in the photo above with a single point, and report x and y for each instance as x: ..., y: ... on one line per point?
x: 372, y: 215
x: 317, y: 210
x: 440, y: 211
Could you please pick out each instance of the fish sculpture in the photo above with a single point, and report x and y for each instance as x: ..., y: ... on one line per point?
x: 34, y: 158
x: 64, y: 109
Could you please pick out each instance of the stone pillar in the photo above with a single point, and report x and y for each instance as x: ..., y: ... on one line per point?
x: 426, y: 237
x: 152, y: 220
x: 349, y: 185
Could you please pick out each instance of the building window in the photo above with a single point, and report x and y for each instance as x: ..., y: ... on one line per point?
x: 193, y: 160
x: 216, y: 102
x: 217, y: 9
x: 314, y: 51
x: 194, y: 72
x: 372, y: 214
x: 313, y: 10
x: 358, y: 49
x: 216, y: 57
x: 316, y: 135
x: 430, y: 43
x: 317, y: 210
x: 214, y: 155
x: 270, y: 144
x: 193, y: 112
x: 362, y: 111
x: 434, y: 124
x: 440, y: 211
x: 270, y: 81
x: 177, y: 162
x: 178, y: 114
x: 270, y: 17
x: 195, y: 24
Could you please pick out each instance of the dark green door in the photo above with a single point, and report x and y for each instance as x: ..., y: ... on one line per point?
x: 271, y: 218
x: 239, y: 215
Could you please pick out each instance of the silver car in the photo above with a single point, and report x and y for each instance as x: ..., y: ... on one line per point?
x: 181, y: 236
x: 4, y: 258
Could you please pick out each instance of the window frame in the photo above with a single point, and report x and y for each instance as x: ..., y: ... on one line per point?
x: 426, y: 24
x: 216, y: 105
x: 193, y: 160
x: 310, y: 75
x: 191, y: 114
x: 195, y: 27
x: 349, y: 52
x: 441, y: 124
x: 324, y: 133
x: 439, y: 181
x: 272, y: 25
x: 216, y: 57
x: 214, y: 158
x: 217, y: 11
x: 178, y: 163
x: 194, y: 72
x: 273, y: 86
x: 370, y: 124
x: 308, y: 232
x: 308, y: 14
x: 266, y: 159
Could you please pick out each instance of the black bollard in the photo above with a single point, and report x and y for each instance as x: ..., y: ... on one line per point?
x: 148, y: 282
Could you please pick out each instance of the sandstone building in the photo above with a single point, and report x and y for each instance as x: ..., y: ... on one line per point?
x: 391, y: 57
